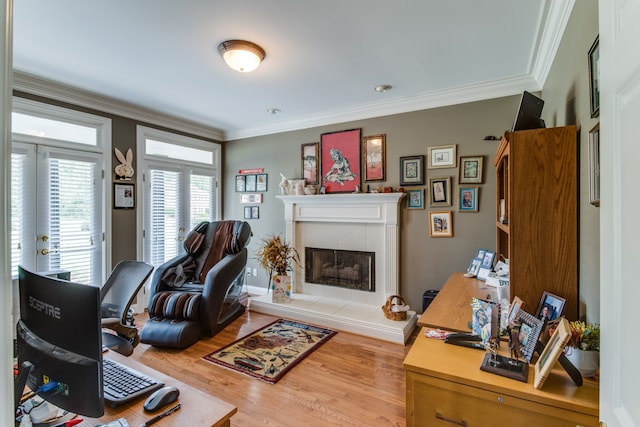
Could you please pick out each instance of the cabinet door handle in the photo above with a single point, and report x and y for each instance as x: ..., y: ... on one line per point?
x: 462, y: 423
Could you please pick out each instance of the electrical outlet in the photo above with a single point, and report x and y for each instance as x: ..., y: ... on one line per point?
x: 255, y: 271
x: 249, y: 271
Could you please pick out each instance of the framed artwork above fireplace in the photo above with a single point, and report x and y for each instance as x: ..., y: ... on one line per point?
x: 340, y: 164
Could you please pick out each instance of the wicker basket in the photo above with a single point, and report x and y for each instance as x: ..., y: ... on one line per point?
x: 387, y: 308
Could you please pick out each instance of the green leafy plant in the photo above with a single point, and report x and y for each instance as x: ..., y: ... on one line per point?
x: 584, y: 336
x: 277, y: 256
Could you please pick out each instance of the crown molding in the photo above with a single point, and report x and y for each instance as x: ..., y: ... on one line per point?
x: 60, y: 92
x: 425, y: 101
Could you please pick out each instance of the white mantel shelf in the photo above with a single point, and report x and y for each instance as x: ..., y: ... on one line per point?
x: 348, y: 221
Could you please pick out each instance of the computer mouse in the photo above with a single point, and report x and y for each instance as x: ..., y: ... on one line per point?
x: 160, y: 398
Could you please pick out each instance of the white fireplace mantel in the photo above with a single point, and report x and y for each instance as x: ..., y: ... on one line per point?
x: 354, y: 221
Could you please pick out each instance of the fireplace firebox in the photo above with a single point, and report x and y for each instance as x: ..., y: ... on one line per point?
x: 340, y: 268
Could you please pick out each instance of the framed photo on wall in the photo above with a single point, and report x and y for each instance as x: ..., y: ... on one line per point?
x: 415, y: 198
x: 124, y: 196
x: 440, y: 191
x: 471, y: 169
x: 309, y: 159
x: 594, y: 165
x: 340, y: 161
x: 374, y: 157
x: 412, y: 170
x: 594, y: 77
x: 241, y: 183
x: 443, y: 156
x: 468, y: 199
x: 440, y: 224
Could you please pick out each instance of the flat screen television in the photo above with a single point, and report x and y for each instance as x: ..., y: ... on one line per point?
x: 529, y: 113
x: 59, y: 343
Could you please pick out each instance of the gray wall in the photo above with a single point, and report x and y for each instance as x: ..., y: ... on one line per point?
x: 426, y: 262
x: 566, y: 95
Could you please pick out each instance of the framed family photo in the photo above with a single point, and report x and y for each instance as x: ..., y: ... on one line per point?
x: 443, y: 156
x: 374, y: 157
x: 470, y: 170
x: 309, y: 158
x: 468, y: 199
x: 440, y: 224
x: 412, y: 170
x: 440, y: 191
x: 415, y: 198
x: 594, y: 77
x: 340, y: 161
x: 550, y: 307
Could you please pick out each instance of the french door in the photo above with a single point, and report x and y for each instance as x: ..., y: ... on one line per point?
x: 58, y: 198
x: 56, y: 210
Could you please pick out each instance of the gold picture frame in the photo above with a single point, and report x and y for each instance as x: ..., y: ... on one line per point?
x: 440, y: 191
x: 374, y: 157
x: 442, y: 156
x: 551, y: 353
x: 471, y: 169
x: 440, y: 224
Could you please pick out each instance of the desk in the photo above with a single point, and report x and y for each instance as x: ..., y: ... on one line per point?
x: 451, y: 308
x: 198, y: 408
x: 445, y: 384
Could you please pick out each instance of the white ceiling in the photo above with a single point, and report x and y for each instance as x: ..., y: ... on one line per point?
x: 323, y: 58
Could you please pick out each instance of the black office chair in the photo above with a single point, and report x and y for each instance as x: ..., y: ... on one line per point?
x: 117, y: 294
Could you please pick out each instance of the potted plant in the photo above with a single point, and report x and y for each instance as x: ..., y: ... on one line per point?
x: 277, y: 256
x: 584, y: 347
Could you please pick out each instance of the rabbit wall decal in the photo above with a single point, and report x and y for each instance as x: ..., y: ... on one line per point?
x: 124, y: 171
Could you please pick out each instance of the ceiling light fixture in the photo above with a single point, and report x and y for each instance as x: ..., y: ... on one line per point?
x: 383, y: 88
x: 241, y: 55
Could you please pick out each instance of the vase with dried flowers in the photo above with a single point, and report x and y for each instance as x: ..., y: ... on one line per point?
x: 277, y: 256
x: 583, y: 349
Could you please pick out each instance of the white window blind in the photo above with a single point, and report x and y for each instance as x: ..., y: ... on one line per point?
x: 18, y: 209
x: 202, y: 198
x: 165, y: 215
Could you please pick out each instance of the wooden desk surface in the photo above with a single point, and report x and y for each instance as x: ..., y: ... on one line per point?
x: 451, y: 308
x: 458, y: 364
x: 198, y: 408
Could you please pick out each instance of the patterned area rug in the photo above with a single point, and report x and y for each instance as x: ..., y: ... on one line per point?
x: 269, y: 353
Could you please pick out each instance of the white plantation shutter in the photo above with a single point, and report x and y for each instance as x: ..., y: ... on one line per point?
x: 165, y: 215
x: 73, y: 233
x: 202, y: 198
x: 19, y: 209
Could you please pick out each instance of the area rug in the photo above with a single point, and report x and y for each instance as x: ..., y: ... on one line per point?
x: 270, y: 352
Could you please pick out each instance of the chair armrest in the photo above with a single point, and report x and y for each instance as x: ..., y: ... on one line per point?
x: 115, y: 325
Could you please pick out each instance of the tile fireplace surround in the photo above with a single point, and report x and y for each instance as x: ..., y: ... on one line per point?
x: 358, y: 222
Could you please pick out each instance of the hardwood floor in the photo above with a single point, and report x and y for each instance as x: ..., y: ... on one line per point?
x: 351, y: 380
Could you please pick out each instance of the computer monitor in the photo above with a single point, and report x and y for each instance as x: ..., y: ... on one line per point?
x: 59, y: 334
x: 529, y: 112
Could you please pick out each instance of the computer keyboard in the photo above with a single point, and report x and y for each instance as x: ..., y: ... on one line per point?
x: 122, y: 384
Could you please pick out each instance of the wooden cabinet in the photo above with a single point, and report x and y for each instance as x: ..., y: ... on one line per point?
x: 446, y: 387
x: 537, y: 214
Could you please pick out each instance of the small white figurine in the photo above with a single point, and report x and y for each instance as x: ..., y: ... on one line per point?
x: 284, y: 185
x: 124, y: 171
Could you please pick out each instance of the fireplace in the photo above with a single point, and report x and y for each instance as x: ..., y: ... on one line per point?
x: 341, y: 268
x: 337, y: 224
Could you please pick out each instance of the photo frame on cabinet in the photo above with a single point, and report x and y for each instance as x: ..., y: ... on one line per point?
x: 528, y: 333
x: 550, y: 307
x: 374, y: 157
x: 440, y: 224
x: 551, y: 353
x: 440, y: 191
x: 412, y: 170
x: 340, y: 161
x: 594, y: 78
x: 594, y: 165
x: 471, y: 169
x: 415, y: 198
x: 468, y: 199
x: 309, y: 158
x: 442, y: 156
